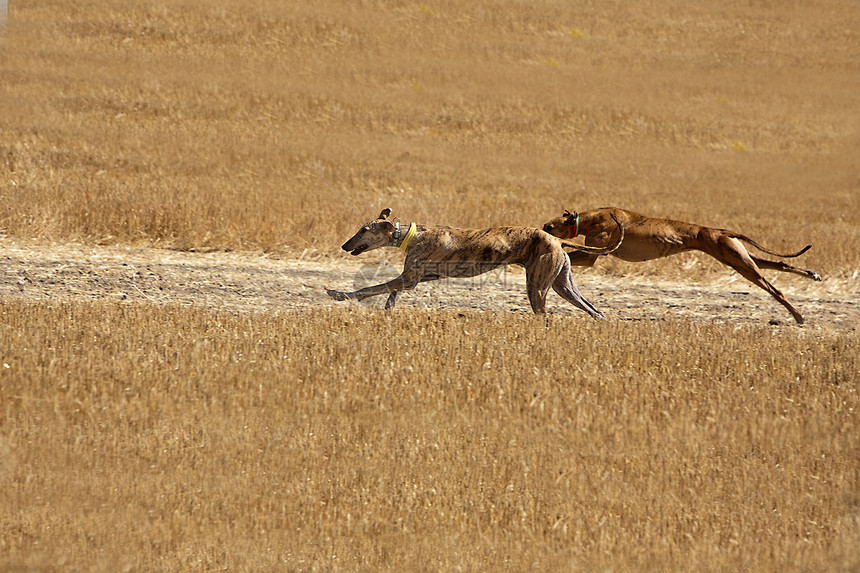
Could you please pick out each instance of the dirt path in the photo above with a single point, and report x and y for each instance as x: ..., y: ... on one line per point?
x: 256, y: 282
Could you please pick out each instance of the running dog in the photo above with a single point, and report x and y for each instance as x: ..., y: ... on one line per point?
x: 437, y: 252
x: 647, y: 238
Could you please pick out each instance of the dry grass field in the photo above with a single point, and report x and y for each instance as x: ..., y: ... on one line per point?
x: 167, y: 410
x: 170, y: 438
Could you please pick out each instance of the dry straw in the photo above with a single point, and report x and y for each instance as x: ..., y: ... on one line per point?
x: 174, y: 437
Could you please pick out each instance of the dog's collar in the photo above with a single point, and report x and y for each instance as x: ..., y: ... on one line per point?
x: 395, y: 240
x: 396, y: 236
x: 575, y: 231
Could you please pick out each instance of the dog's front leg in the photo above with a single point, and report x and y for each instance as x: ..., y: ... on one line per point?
x: 392, y: 300
x: 580, y: 259
x: 406, y: 281
x: 337, y: 294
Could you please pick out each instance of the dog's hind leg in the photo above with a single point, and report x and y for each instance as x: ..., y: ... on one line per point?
x: 737, y: 257
x: 537, y: 295
x: 540, y: 274
x: 567, y: 289
x: 781, y: 266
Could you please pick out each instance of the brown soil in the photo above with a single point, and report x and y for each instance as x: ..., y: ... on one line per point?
x: 256, y: 282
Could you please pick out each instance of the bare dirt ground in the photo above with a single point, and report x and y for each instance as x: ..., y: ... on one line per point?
x: 254, y: 282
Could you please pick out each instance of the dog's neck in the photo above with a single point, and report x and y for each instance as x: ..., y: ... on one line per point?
x: 587, y: 221
x: 402, y: 236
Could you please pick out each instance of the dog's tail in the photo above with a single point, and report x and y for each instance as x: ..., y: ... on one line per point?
x: 766, y: 250
x: 598, y: 250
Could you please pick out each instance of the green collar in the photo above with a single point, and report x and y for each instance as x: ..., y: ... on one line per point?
x: 575, y: 231
x: 395, y: 237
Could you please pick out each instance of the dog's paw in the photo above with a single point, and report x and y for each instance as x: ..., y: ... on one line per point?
x: 814, y: 276
x: 336, y: 294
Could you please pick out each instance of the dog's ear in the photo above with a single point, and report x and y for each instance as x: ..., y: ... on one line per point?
x: 569, y: 215
x: 566, y: 213
x: 385, y: 213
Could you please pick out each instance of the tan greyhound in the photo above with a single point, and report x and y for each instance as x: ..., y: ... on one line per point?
x: 649, y: 238
x: 437, y: 252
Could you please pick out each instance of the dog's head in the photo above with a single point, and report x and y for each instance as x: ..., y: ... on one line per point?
x: 564, y: 227
x: 372, y: 235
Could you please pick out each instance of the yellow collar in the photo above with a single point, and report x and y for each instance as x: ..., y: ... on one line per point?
x: 409, y: 234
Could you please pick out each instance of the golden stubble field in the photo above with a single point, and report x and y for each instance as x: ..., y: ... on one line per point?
x: 143, y: 437
x: 142, y: 432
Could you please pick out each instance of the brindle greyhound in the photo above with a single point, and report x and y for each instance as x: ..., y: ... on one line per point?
x: 648, y: 238
x: 437, y: 252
